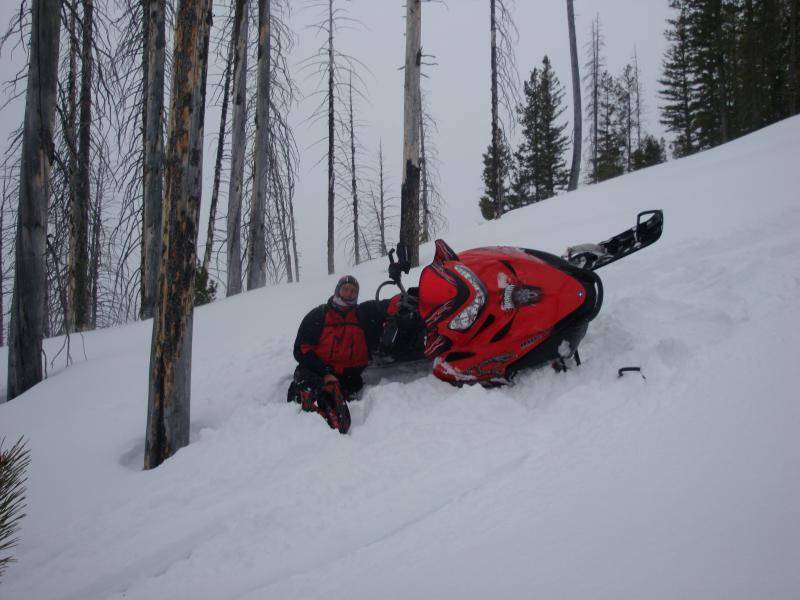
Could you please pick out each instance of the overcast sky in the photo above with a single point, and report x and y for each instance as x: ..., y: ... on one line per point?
x: 457, y: 34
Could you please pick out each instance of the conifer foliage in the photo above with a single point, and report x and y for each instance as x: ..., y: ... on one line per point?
x: 731, y: 68
x: 541, y: 167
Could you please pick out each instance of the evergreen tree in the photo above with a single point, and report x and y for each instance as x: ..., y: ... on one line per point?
x: 488, y: 202
x: 677, y: 115
x: 541, y: 164
x: 610, y: 141
x: 650, y: 152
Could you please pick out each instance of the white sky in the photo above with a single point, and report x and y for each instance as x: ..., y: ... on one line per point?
x: 457, y: 34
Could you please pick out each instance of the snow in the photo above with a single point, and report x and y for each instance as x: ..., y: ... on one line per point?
x: 685, y: 484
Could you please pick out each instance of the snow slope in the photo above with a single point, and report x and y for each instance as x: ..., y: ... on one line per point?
x: 579, y: 485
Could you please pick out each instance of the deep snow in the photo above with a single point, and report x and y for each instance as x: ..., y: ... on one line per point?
x: 578, y: 485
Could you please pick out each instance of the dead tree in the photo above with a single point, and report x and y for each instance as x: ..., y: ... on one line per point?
x: 78, y: 281
x: 223, y: 121
x: 171, y: 351
x: 594, y: 68
x: 409, y: 195
x: 354, y: 182
x: 238, y: 144
x: 504, y: 84
x: 27, y: 305
x: 154, y: 57
x: 256, y: 243
x: 577, y: 130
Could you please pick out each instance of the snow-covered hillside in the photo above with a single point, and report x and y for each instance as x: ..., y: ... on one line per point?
x: 578, y: 485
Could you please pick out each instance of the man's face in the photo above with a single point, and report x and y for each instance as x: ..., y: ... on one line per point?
x: 348, y: 292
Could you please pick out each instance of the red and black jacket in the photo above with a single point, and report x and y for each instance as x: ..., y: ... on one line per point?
x: 338, y: 340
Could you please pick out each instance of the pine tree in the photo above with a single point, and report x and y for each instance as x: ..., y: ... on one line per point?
x: 610, y: 142
x: 677, y: 114
x: 651, y: 152
x: 540, y: 158
x: 488, y: 202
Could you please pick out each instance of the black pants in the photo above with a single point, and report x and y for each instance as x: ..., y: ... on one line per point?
x: 304, y: 378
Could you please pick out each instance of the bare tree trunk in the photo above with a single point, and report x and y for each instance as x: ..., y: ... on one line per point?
x: 256, y: 243
x: 2, y: 270
x: 28, y: 303
x: 223, y: 121
x: 382, y: 193
x: 71, y: 133
x: 577, y: 107
x: 78, y: 281
x: 409, y: 195
x: 596, y: 94
x: 238, y: 144
x: 353, y: 181
x: 423, y: 165
x: 153, y: 176
x: 794, y: 65
x: 331, y: 117
x: 171, y: 351
x: 498, y: 209
x: 637, y: 86
x: 94, y: 263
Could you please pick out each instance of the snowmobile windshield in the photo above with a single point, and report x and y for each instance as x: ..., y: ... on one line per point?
x: 466, y: 317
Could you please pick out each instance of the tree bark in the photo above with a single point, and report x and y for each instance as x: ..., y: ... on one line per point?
x: 153, y: 175
x: 577, y: 107
x: 409, y: 195
x: 79, y: 284
x: 238, y: 145
x: 382, y: 193
x: 256, y: 243
x: 28, y: 303
x: 423, y: 165
x: 171, y: 351
x: 331, y: 117
x: 794, y: 65
x: 94, y: 262
x: 354, y: 181
x: 223, y: 121
x: 496, y: 178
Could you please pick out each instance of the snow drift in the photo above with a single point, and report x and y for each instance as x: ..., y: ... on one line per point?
x: 685, y: 484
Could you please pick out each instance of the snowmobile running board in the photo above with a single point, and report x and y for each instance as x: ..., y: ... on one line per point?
x: 649, y: 225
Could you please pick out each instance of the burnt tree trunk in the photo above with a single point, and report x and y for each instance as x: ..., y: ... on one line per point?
x: 28, y: 303
x: 354, y: 182
x: 423, y: 165
x: 238, y: 145
x: 153, y: 175
x: 496, y: 182
x: 382, y: 195
x: 78, y: 279
x: 223, y: 121
x: 409, y: 191
x: 331, y: 117
x: 94, y: 262
x: 171, y: 350
x: 577, y: 131
x: 257, y: 240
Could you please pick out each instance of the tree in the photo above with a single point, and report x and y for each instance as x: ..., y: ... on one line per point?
x: 503, y: 86
x: 171, y: 351
x: 256, y: 242
x: 649, y: 153
x: 154, y: 58
x: 677, y: 114
x: 234, y: 219
x: 488, y: 204
x: 409, y: 194
x: 577, y: 133
x: 611, y: 143
x: 594, y: 70
x: 27, y: 306
x: 540, y: 158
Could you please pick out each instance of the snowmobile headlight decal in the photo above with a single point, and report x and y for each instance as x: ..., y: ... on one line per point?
x: 467, y: 316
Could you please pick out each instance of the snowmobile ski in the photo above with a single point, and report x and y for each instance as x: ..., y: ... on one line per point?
x: 648, y: 228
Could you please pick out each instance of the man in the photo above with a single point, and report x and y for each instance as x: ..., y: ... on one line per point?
x: 332, y: 350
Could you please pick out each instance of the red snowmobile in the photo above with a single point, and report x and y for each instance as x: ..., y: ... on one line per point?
x: 483, y: 314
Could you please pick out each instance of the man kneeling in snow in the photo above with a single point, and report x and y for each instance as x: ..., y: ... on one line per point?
x: 333, y: 346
